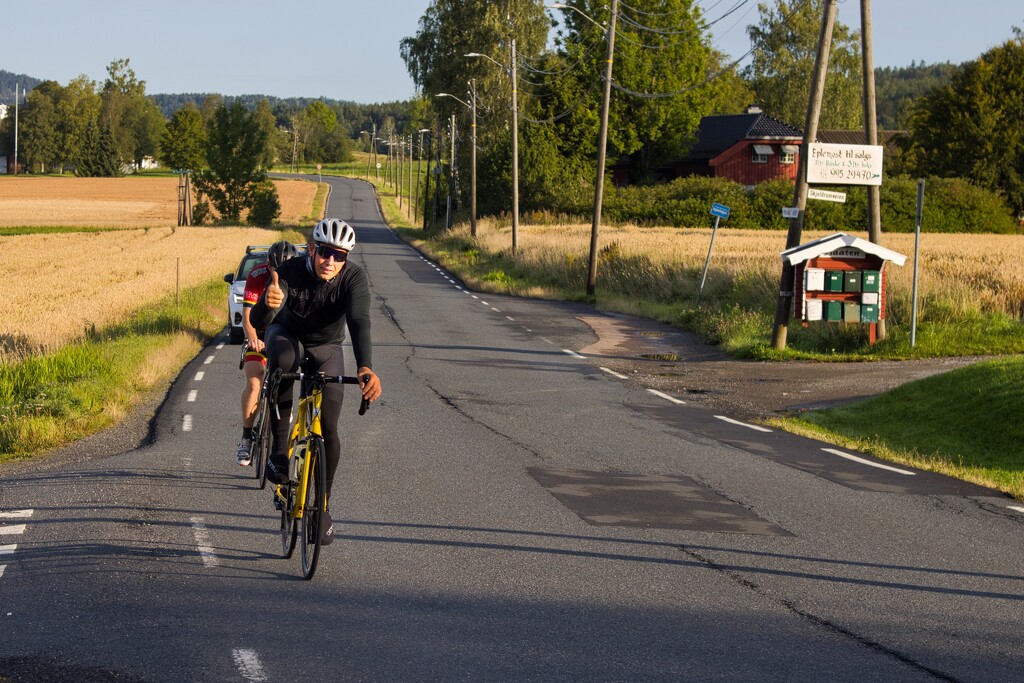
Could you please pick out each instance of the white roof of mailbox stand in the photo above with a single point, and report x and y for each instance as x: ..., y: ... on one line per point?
x: 826, y: 245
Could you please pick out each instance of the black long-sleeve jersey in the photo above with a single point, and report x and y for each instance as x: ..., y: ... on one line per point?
x: 316, y: 311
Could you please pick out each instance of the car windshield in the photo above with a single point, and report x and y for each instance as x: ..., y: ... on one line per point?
x: 250, y: 262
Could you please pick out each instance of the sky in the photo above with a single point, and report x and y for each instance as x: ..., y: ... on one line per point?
x: 349, y: 49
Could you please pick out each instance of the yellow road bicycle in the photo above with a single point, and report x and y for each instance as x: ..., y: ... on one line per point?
x: 303, y: 500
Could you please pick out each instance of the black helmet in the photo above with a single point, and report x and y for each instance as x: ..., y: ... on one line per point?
x: 280, y: 252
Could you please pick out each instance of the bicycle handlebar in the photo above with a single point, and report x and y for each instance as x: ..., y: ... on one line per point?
x: 364, y: 405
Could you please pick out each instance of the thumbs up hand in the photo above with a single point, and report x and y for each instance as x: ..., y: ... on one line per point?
x: 274, y: 294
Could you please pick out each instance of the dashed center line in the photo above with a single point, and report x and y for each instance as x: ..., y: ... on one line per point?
x: 219, y: 346
x: 249, y: 665
x: 572, y: 353
x: 199, y: 376
x: 8, y: 549
x: 862, y: 461
x: 510, y: 318
x: 757, y: 428
x: 12, y: 530
x: 1016, y: 508
x: 202, y: 536
x: 192, y: 395
x: 186, y: 423
x: 16, y: 514
x: 209, y: 359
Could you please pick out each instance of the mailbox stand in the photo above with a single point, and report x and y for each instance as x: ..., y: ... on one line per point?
x: 840, y: 278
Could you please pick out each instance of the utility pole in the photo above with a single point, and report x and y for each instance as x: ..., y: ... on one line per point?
x: 451, y: 176
x: 602, y: 145
x: 472, y: 157
x: 419, y: 165
x: 871, y: 131
x: 785, y: 302
x: 426, y: 188
x: 376, y: 168
x: 401, y: 170
x: 16, y: 98
x: 515, y: 152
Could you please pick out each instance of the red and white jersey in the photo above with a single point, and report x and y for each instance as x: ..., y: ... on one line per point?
x: 255, y: 284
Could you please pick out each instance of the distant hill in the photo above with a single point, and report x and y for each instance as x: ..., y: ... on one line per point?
x: 896, y: 88
x: 7, y: 82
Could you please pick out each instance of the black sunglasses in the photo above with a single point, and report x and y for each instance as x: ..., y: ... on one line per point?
x: 325, y: 252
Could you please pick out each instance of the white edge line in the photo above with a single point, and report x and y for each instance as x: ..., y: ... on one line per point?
x: 614, y: 374
x: 203, y: 543
x: 16, y: 514
x: 743, y: 424
x: 673, y: 399
x: 862, y: 461
x: 12, y: 530
x: 572, y: 353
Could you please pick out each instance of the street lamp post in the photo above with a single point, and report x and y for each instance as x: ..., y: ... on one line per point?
x: 472, y: 153
x: 515, y: 139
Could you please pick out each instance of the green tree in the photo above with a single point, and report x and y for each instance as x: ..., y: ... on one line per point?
x: 39, y: 128
x: 134, y: 121
x: 782, y: 66
x: 234, y: 148
x: 973, y: 127
x: 660, y: 78
x: 182, y: 146
x: 77, y: 111
x: 267, y: 122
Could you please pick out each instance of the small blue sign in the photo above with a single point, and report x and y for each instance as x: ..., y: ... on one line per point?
x: 719, y: 210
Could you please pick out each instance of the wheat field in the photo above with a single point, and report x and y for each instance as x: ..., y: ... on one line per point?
x: 58, y: 285
x: 117, y: 202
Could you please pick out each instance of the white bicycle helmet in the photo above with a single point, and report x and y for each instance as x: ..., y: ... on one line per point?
x: 336, y: 233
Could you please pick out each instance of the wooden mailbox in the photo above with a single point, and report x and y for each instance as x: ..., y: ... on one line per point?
x: 840, y: 278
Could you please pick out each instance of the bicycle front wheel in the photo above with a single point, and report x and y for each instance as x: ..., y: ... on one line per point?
x: 261, y: 443
x: 313, y: 506
x: 289, y: 525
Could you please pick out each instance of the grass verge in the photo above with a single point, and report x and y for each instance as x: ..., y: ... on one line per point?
x: 47, y: 401
x: 965, y: 423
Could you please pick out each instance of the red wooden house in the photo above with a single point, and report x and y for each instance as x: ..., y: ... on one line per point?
x: 747, y: 148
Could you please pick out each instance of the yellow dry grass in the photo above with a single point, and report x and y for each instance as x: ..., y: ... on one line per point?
x: 117, y: 202
x: 966, y: 272
x: 57, y: 285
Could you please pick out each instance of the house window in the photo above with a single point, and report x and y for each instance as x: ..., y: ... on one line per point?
x: 788, y: 155
x: 761, y: 154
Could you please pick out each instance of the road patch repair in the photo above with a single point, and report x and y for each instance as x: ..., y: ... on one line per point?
x: 651, y: 501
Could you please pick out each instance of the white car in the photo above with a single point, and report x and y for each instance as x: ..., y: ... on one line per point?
x: 254, y: 255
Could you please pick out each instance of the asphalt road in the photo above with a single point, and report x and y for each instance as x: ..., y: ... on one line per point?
x: 509, y: 510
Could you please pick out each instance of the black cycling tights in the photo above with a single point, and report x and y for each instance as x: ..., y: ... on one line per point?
x: 286, y: 352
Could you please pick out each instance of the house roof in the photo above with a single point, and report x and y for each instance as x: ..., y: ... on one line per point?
x: 717, y: 133
x: 826, y: 245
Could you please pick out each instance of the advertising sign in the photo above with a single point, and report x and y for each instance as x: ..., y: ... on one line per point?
x: 829, y: 164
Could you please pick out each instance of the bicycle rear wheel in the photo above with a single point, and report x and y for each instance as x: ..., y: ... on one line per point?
x: 289, y: 525
x: 313, y: 506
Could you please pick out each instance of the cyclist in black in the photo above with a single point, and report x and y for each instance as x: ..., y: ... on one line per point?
x: 305, y: 309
